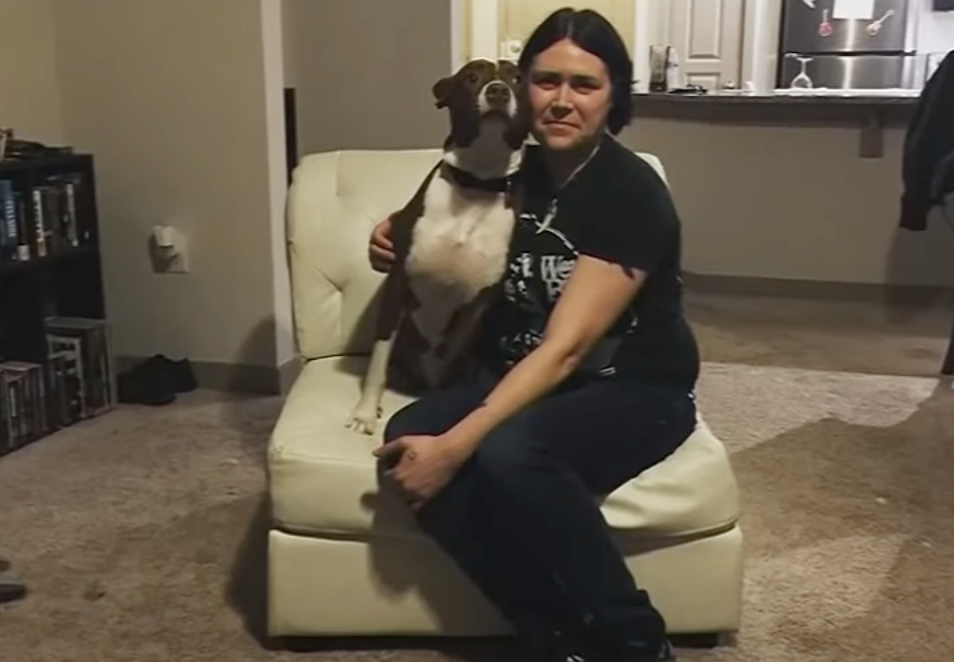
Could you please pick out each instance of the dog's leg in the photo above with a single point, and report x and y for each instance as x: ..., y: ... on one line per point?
x: 391, y: 312
x: 364, y: 418
x: 460, y: 335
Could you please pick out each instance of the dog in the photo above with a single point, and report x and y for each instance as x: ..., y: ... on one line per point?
x: 451, y: 241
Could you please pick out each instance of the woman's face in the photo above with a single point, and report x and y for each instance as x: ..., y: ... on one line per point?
x: 570, y: 96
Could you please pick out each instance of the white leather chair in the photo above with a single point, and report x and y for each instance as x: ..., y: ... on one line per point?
x: 345, y: 560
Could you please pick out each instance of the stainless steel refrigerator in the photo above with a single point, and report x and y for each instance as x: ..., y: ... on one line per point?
x: 850, y: 44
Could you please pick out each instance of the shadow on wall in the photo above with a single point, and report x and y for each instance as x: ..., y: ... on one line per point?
x: 249, y: 374
x: 917, y: 257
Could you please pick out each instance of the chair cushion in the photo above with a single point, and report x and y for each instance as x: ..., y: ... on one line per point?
x: 323, y: 478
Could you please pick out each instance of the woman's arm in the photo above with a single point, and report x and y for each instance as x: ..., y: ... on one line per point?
x: 595, y: 295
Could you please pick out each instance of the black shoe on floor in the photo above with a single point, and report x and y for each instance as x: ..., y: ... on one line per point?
x: 180, y: 372
x: 156, y: 381
x: 145, y: 385
x: 11, y: 590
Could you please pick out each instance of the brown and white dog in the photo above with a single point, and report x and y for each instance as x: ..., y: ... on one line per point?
x: 451, y: 240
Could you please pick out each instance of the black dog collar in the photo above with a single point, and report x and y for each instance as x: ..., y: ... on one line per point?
x: 465, y: 179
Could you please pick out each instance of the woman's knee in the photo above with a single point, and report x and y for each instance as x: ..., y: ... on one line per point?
x: 435, y: 412
x: 410, y: 419
x: 423, y: 416
x: 508, y: 452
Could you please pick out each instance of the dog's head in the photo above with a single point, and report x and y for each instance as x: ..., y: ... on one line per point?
x: 481, y: 94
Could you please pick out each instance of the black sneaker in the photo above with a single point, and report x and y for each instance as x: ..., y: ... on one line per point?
x: 144, y: 384
x: 156, y: 381
x: 11, y: 590
x: 554, y: 648
x: 556, y: 656
x: 639, y: 653
x: 179, y: 372
x: 666, y: 653
x: 182, y: 376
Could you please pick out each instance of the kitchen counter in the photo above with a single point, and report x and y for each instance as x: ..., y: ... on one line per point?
x: 868, y: 110
x: 781, y: 194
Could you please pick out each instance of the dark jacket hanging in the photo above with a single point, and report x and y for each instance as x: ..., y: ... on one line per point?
x: 928, y: 161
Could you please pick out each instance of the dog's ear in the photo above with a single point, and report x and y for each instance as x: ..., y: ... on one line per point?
x: 442, y: 91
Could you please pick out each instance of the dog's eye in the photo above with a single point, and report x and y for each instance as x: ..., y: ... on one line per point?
x: 472, y: 78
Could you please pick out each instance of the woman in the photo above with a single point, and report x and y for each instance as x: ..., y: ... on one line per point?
x: 590, y: 368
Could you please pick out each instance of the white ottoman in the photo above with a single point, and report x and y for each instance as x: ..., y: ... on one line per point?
x: 345, y: 560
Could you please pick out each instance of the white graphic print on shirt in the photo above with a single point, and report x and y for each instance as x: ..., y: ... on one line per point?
x: 534, y: 283
x: 554, y: 272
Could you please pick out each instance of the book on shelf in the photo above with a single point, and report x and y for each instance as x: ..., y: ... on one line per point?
x: 41, y: 218
x: 76, y: 381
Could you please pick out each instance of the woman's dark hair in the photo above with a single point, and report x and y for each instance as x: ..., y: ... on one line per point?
x: 590, y: 31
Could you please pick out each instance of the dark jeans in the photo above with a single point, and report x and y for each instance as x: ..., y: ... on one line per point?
x: 522, y: 517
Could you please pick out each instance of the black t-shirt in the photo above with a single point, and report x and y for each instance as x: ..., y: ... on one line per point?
x: 616, y: 208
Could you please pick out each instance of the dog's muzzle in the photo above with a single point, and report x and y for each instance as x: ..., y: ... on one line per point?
x: 497, y: 96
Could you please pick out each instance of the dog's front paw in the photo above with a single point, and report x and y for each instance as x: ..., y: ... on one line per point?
x: 364, y: 419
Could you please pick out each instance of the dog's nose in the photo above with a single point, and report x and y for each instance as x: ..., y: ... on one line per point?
x: 498, y: 93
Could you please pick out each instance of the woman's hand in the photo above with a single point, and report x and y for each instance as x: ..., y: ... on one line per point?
x: 424, y: 465
x: 380, y: 248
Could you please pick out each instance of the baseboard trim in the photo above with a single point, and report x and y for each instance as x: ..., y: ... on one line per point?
x: 267, y: 380
x: 818, y: 290
x: 235, y: 377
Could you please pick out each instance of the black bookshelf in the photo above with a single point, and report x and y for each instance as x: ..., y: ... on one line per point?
x: 51, y: 291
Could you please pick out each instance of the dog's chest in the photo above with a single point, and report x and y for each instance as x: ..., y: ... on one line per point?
x: 461, y: 242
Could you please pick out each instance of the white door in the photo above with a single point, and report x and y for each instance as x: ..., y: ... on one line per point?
x: 707, y: 36
x: 518, y: 18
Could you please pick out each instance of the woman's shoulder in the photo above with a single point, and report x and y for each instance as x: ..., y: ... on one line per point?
x: 624, y: 166
x: 629, y: 216
x: 629, y: 180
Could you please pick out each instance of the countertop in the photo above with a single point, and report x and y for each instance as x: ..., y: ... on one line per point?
x: 819, y: 107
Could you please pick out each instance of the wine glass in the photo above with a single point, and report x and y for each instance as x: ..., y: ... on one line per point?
x: 802, y: 81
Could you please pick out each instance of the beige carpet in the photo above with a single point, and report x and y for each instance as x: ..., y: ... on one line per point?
x: 906, y: 338
x: 141, y: 533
